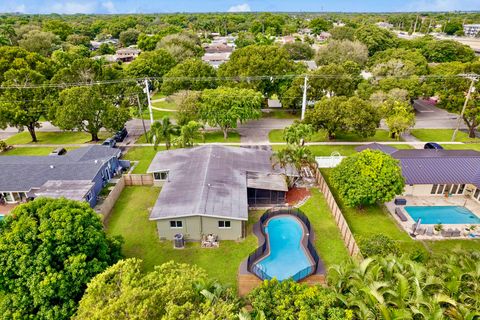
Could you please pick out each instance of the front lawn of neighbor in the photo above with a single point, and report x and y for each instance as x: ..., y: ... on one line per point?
x: 344, y: 150
x: 276, y: 135
x: 158, y: 114
x: 441, y: 135
x: 374, y: 220
x: 130, y: 220
x: 65, y: 137
x: 210, y: 137
x: 465, y: 146
x: 30, y: 151
x: 281, y: 114
x: 165, y: 104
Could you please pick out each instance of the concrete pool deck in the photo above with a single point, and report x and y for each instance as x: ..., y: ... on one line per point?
x: 460, y: 201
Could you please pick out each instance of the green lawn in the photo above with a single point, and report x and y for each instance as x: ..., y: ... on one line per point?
x: 30, y: 151
x: 374, y: 220
x: 441, y: 135
x: 344, y: 150
x: 157, y: 95
x: 210, y: 137
x: 466, y: 146
x: 130, y: 219
x: 144, y: 155
x: 281, y: 114
x: 66, y: 137
x: 158, y: 115
x: 276, y: 135
x: 328, y: 240
x: 170, y: 105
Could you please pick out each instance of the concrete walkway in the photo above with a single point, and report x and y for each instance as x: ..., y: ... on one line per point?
x: 413, y: 141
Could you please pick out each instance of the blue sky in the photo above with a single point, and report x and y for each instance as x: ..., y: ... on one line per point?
x: 150, y: 6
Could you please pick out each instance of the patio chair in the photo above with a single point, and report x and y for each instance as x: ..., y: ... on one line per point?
x: 456, y: 233
x: 429, y: 231
x: 446, y: 233
x: 400, y: 214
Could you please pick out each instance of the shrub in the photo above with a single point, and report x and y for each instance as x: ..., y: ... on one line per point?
x: 378, y: 244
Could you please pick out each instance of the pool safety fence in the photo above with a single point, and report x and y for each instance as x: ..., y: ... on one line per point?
x: 261, y: 251
x: 347, y: 235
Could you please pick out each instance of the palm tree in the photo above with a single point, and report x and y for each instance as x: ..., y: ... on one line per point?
x: 280, y: 158
x: 163, y: 131
x: 188, y: 134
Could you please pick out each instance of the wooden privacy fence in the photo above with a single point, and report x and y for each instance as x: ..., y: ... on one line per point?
x: 342, y: 224
x: 138, y: 179
x: 109, y: 202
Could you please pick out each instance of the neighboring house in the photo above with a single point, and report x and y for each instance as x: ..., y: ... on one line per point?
x: 429, y: 172
x: 95, y: 45
x: 323, y: 36
x: 218, y: 48
x: 209, y: 190
x: 127, y: 54
x: 311, y: 64
x: 216, y: 59
x: 384, y: 25
x: 78, y: 175
x: 471, y: 30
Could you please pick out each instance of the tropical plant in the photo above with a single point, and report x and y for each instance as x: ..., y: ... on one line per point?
x: 162, y: 130
x: 188, y: 134
x: 293, y: 157
x: 378, y: 244
x: 297, y: 133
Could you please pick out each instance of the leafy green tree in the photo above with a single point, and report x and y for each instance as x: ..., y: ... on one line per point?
x: 297, y: 133
x: 50, y: 251
x: 378, y: 245
x: 106, y: 48
x: 342, y: 33
x: 17, y: 58
x: 299, y: 50
x: 376, y: 39
x: 151, y: 64
x: 413, y: 58
x: 320, y: 24
x: 393, y: 68
x: 78, y: 40
x: 163, y: 131
x: 41, y: 42
x: 58, y: 27
x: 188, y: 107
x: 452, y: 27
x: 225, y: 107
x: 293, y: 156
x: 292, y: 300
x: 128, y: 37
x: 400, y: 118
x: 148, y: 42
x: 367, y: 178
x: 7, y: 35
x: 181, y: 46
x: 448, y: 50
x: 22, y: 105
x: 244, y: 39
x: 340, y: 51
x: 189, y: 133
x: 191, y: 74
x: 255, y: 61
x: 86, y: 109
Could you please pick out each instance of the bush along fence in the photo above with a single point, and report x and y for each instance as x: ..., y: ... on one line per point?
x: 261, y: 251
x: 337, y: 214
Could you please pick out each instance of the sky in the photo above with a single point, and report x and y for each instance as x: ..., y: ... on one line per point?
x: 166, y: 6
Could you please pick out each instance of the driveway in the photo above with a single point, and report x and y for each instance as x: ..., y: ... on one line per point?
x: 256, y: 131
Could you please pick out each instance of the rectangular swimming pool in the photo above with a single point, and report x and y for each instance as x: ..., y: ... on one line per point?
x: 442, y: 214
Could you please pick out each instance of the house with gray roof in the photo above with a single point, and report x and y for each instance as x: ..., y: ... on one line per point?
x: 431, y: 172
x: 80, y: 174
x: 209, y: 190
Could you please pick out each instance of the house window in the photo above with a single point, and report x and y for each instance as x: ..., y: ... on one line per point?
x: 88, y: 197
x: 7, y: 196
x: 440, y: 188
x: 162, y: 175
x: 434, y: 189
x: 224, y: 224
x: 176, y: 224
x: 460, y: 190
x: 454, y: 189
x: 447, y: 188
x: 477, y: 192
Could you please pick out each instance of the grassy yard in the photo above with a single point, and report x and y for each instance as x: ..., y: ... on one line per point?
x: 130, y: 219
x: 276, y: 135
x: 441, y: 135
x: 344, y: 150
x: 466, y: 146
x: 281, y: 114
x: 144, y: 155
x: 374, y: 220
x: 29, y: 151
x: 166, y: 104
x: 66, y: 137
x: 158, y: 115
x: 328, y: 240
x: 210, y: 137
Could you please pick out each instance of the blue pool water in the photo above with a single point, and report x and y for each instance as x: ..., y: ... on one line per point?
x: 442, y: 214
x: 287, y: 256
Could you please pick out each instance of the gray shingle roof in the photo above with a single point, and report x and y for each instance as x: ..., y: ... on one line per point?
x: 22, y: 173
x: 377, y: 146
x: 208, y: 180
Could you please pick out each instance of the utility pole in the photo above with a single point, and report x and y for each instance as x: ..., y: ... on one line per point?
x: 460, y: 118
x: 141, y: 117
x: 304, y: 101
x: 415, y: 27
x: 147, y: 91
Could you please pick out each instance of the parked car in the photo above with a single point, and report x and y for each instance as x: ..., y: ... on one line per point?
x: 121, y: 135
x: 432, y: 145
x: 110, y: 142
x: 58, y: 152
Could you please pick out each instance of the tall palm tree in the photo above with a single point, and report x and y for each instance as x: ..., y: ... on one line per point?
x: 163, y: 130
x: 188, y: 134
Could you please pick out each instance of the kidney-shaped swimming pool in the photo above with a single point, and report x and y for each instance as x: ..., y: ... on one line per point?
x: 287, y: 255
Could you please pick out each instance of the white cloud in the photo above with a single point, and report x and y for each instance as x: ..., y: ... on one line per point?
x: 110, y: 6
x: 245, y: 7
x: 73, y: 7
